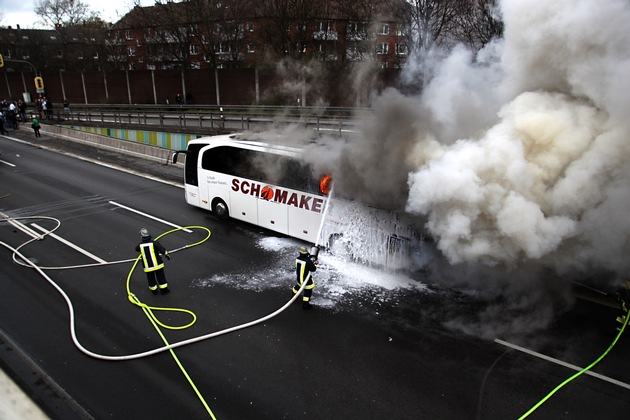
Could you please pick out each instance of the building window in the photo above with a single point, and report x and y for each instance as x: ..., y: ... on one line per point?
x: 323, y: 26
x: 250, y: 48
x: 195, y: 65
x: 383, y: 48
x: 401, y: 31
x: 222, y: 48
x: 194, y: 49
x: 129, y: 34
x: 25, y: 54
x: 131, y: 51
x: 383, y: 29
x: 402, y: 49
x: 249, y: 27
x: 59, y: 53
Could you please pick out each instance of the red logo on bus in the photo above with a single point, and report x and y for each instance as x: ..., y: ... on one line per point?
x: 267, y: 193
x: 301, y: 201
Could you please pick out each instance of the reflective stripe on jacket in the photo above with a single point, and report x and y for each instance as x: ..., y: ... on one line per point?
x: 150, y: 258
x: 304, y: 269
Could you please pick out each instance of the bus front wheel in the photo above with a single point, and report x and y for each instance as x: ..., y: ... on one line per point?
x: 220, y: 209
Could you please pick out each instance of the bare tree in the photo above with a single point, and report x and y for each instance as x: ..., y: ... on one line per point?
x: 480, y: 24
x: 69, y: 18
x: 59, y: 13
x: 431, y: 23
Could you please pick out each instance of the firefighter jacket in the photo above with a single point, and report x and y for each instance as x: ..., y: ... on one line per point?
x: 151, y: 255
x: 304, y: 268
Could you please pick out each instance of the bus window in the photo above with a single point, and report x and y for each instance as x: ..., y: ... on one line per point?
x: 298, y: 176
x: 259, y: 166
x: 231, y: 161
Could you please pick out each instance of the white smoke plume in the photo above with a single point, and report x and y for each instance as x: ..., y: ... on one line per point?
x: 519, y: 155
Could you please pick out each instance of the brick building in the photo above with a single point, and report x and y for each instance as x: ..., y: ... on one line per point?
x: 211, y: 34
x: 269, y: 55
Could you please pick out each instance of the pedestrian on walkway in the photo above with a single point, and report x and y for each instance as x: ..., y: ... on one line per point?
x: 2, y: 130
x: 36, y: 127
x: 305, y: 266
x: 151, y: 252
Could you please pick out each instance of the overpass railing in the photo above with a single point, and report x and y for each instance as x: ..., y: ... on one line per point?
x: 212, y: 118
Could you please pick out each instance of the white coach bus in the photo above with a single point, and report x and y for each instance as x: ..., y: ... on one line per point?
x: 255, y: 182
x: 270, y: 186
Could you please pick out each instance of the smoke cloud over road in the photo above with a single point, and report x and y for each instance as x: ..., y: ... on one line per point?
x: 519, y: 155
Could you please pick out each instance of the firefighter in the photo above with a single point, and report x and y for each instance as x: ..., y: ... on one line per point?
x: 305, y: 265
x: 151, y: 252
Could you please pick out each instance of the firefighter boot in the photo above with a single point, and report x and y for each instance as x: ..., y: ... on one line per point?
x: 164, y: 291
x: 306, y: 305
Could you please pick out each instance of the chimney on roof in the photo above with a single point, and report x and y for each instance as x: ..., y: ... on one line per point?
x: 18, y: 27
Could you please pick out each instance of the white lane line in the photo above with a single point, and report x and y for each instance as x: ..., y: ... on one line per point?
x: 561, y: 363
x: 21, y: 226
x: 7, y: 163
x: 149, y: 216
x: 70, y: 244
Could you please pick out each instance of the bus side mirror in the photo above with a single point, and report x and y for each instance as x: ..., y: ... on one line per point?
x: 175, y: 154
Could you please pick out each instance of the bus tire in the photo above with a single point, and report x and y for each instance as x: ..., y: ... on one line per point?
x: 220, y: 209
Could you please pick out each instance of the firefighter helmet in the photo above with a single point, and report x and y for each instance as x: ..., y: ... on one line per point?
x: 144, y: 232
x: 303, y: 250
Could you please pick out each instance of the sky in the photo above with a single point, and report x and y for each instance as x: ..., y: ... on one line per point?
x: 22, y: 12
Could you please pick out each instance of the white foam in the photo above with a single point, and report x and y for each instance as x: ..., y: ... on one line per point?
x: 337, y: 279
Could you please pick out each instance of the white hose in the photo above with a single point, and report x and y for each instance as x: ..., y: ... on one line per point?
x: 73, y: 334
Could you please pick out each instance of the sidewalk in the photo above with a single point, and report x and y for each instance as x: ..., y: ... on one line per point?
x: 15, y: 404
x: 124, y: 155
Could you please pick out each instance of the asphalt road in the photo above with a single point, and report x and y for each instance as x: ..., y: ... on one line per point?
x: 364, y: 352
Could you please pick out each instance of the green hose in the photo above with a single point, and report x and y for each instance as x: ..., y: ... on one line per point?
x: 589, y: 367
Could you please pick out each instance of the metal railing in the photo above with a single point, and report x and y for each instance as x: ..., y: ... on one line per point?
x: 208, y: 119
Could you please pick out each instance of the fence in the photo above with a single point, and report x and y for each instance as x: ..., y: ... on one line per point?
x: 247, y: 86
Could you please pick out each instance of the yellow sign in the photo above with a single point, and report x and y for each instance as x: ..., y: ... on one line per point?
x: 1, y: 61
x: 39, y: 84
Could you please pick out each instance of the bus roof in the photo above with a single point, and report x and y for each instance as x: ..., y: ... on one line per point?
x: 244, y: 141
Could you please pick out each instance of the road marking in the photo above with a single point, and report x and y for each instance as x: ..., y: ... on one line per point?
x: 21, y: 226
x: 70, y: 244
x: 7, y: 163
x: 561, y: 363
x: 149, y: 216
